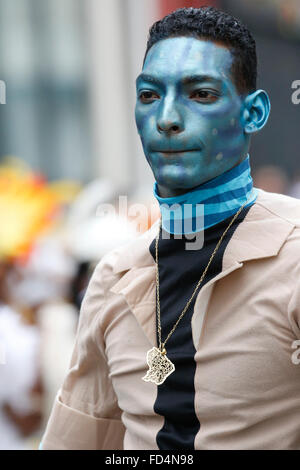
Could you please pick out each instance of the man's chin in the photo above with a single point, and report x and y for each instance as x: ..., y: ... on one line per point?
x: 175, y: 186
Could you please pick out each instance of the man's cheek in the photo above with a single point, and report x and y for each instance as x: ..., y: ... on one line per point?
x: 145, y: 121
x: 224, y: 138
x: 140, y: 121
x: 230, y: 132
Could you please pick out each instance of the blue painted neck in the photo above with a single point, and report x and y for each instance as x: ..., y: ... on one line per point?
x: 209, y: 203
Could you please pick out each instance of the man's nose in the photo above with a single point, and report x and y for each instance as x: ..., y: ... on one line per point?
x: 170, y: 120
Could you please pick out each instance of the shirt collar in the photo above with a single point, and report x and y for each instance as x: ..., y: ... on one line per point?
x: 209, y: 203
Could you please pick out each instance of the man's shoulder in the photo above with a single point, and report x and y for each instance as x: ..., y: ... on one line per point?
x: 280, y: 205
x: 283, y: 213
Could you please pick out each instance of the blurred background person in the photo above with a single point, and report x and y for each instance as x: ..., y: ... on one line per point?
x: 294, y: 190
x: 20, y: 381
x: 271, y: 178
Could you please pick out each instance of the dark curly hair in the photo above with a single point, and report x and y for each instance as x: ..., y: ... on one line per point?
x: 212, y: 24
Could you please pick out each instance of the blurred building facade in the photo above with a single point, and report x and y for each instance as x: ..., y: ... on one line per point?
x: 45, y: 120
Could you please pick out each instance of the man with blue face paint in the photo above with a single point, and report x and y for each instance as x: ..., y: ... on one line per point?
x: 193, y: 348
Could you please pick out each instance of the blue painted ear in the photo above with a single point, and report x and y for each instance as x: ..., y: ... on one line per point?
x: 256, y: 111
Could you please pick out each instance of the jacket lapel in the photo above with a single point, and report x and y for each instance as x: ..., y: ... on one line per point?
x: 260, y: 235
x: 137, y: 285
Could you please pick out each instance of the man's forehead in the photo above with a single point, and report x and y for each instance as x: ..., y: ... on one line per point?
x: 183, y: 56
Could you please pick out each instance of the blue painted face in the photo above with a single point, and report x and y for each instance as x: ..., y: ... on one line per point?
x: 189, y: 113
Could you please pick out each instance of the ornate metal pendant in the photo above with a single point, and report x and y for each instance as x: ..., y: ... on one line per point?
x: 160, y: 367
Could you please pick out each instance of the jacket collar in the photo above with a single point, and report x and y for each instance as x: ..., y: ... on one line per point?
x: 261, y: 235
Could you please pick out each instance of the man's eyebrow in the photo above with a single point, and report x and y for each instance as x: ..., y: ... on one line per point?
x: 200, y: 78
x: 185, y: 80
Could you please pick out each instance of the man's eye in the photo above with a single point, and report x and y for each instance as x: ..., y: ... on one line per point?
x: 148, y: 96
x: 204, y: 96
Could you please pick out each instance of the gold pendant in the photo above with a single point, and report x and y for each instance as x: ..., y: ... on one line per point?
x: 160, y: 367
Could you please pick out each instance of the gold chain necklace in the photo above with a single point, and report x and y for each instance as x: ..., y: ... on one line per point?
x: 160, y: 366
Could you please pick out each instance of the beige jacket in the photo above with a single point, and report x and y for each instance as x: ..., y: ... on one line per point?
x: 245, y: 326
